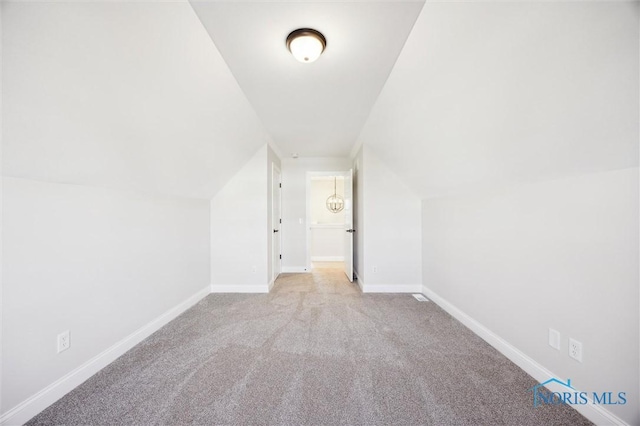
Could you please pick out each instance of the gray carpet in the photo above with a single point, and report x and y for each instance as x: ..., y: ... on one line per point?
x: 315, y: 351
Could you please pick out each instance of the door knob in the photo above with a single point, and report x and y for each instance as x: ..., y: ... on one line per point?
x: 275, y: 230
x: 351, y: 231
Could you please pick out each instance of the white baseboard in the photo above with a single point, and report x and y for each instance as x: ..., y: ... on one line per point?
x: 390, y: 288
x: 238, y: 288
x: 33, y: 405
x: 295, y: 269
x: 327, y: 258
x: 595, y: 413
x: 272, y: 282
x: 386, y: 288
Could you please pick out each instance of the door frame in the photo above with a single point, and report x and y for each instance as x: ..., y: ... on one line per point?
x: 275, y: 257
x: 309, y: 175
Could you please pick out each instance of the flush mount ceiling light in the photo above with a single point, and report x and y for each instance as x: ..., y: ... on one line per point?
x: 306, y: 44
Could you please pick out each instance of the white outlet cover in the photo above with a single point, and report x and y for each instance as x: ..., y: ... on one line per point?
x: 64, y: 341
x: 575, y: 350
x: 554, y: 339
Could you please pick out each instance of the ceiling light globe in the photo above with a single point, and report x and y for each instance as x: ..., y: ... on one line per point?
x: 306, y: 48
x: 306, y: 45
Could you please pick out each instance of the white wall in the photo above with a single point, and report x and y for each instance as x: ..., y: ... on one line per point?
x: 560, y: 254
x: 127, y: 96
x: 517, y: 109
x: 327, y: 243
x: 392, y: 239
x: 99, y: 263
x: 294, y: 210
x: 239, y: 252
x: 241, y: 227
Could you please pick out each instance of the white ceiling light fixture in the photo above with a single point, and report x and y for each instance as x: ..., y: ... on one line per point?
x: 306, y: 44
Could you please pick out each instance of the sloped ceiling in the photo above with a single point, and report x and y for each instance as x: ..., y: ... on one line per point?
x: 123, y: 95
x: 494, y: 93
x: 135, y: 95
x: 317, y: 109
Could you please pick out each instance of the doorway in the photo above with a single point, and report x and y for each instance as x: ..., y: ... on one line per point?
x: 330, y: 219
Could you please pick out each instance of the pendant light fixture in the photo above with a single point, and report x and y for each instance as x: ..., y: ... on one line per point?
x: 335, y: 203
x: 306, y: 44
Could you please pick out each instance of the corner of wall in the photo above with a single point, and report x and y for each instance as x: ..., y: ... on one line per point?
x: 239, y: 242
x: 595, y: 413
x: 32, y: 406
x: 391, y: 243
x: 559, y: 254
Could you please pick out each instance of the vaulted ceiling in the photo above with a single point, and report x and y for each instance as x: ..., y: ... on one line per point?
x: 124, y: 95
x: 173, y: 97
x: 490, y: 94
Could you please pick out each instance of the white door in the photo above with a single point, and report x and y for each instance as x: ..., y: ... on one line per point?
x: 276, y: 221
x: 348, y: 224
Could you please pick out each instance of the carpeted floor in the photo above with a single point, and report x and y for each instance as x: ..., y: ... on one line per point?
x: 315, y: 351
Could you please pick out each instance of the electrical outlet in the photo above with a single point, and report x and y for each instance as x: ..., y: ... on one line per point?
x: 254, y: 269
x: 575, y: 350
x: 554, y: 339
x: 375, y: 269
x: 64, y: 341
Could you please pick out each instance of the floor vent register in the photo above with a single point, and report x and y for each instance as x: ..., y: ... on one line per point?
x: 420, y: 298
